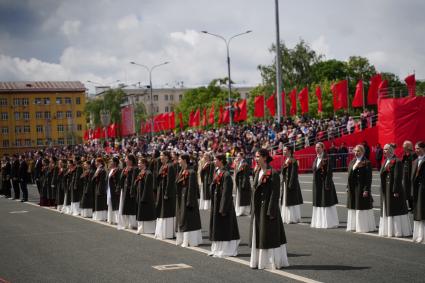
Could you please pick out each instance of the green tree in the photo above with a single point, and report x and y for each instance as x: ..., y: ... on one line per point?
x: 111, y: 100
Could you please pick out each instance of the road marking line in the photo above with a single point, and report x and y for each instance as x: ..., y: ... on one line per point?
x: 167, y: 267
x: 18, y: 212
x: 172, y: 242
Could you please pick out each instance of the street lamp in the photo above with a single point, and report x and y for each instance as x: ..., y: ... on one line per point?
x: 227, y: 42
x: 150, y: 84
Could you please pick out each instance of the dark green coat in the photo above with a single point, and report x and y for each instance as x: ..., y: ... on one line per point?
x: 100, y: 195
x: 290, y: 178
x: 391, y: 183
x: 166, y: 194
x: 418, y: 181
x: 145, y: 197
x: 324, y: 194
x: 243, y: 184
x: 359, y: 181
x: 207, y: 175
x: 223, y: 222
x: 187, y: 209
x: 269, y: 231
x: 128, y: 191
x: 87, y: 198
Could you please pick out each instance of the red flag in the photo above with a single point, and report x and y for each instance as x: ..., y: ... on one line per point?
x: 112, y: 131
x: 204, y: 117
x: 303, y: 97
x: 127, y: 121
x: 358, y: 96
x: 271, y: 105
x: 220, y: 116
x: 372, y: 94
x: 340, y: 94
x: 411, y: 84
x: 383, y: 89
x: 283, y: 97
x: 319, y: 99
x: 172, y: 121
x: 259, y: 106
x: 86, y: 135
x: 242, y: 111
x: 190, y: 124
x: 293, y: 96
x: 197, y: 118
x: 211, y: 117
x: 181, y: 120
x: 226, y: 116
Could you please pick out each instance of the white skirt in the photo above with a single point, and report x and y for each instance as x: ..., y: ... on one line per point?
x: 165, y: 228
x: 394, y: 226
x: 112, y: 215
x: 146, y: 227
x: 241, y: 210
x: 361, y: 221
x: 191, y: 238
x: 86, y: 212
x: 324, y: 217
x: 290, y: 214
x: 100, y: 215
x: 59, y: 208
x: 203, y: 204
x: 419, y: 231
x: 75, y: 208
x: 224, y: 248
x: 267, y: 258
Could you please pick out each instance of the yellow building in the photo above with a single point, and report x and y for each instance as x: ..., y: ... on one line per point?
x: 40, y: 114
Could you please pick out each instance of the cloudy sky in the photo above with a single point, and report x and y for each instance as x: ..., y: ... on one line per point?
x: 96, y: 39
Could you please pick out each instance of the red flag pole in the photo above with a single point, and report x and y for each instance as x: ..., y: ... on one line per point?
x: 363, y: 96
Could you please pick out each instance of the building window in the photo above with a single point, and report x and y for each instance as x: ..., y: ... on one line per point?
x: 68, y: 114
x: 27, y: 129
x: 18, y: 142
x: 47, y: 115
x: 61, y: 141
x: 166, y: 97
x: 46, y: 100
x: 156, y: 109
x: 38, y: 115
x: 78, y: 113
x: 26, y: 115
x: 59, y: 115
x: 4, y: 116
x: 27, y: 142
x: 171, y: 97
x: 155, y: 98
x: 78, y: 100
x: 5, y: 143
x: 16, y: 101
x: 4, y: 130
x: 180, y: 97
x: 18, y: 129
x: 37, y: 100
x: 17, y: 116
x: 58, y: 100
x: 39, y: 142
x: 69, y: 141
x: 25, y: 101
x: 3, y: 101
x: 79, y: 127
x: 60, y: 128
x: 68, y: 100
x: 166, y: 109
x: 39, y: 128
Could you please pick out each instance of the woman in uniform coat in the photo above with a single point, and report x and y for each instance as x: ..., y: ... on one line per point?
x: 418, y: 181
x: 166, y: 198
x: 128, y: 205
x: 146, y: 211
x: 87, y: 198
x: 113, y: 193
x: 224, y: 230
x: 45, y: 179
x: 100, y: 211
x: 324, y: 194
x: 188, y: 220
x: 243, y: 185
x: 267, y: 235
x: 53, y: 168
x: 360, y: 217
x: 207, y: 172
x: 76, y: 187
x: 68, y: 186
x: 394, y: 219
x: 291, y: 197
x: 61, y: 183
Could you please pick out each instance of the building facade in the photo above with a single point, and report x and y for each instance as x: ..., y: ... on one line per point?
x: 35, y: 115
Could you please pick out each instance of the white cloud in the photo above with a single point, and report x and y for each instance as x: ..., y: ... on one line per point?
x: 128, y: 22
x: 71, y: 28
x: 321, y: 46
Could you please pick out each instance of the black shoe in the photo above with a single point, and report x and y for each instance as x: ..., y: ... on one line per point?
x: 24, y: 200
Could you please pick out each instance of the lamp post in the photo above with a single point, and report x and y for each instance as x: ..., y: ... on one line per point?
x: 150, y: 84
x: 227, y: 42
x: 105, y: 119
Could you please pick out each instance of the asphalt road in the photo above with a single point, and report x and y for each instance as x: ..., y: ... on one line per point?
x: 41, y: 245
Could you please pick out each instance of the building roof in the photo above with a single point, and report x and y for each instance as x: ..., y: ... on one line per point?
x: 49, y: 86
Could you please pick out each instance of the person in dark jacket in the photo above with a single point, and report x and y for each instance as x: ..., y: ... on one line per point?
x: 267, y: 235
x: 128, y: 205
x: 114, y: 190
x: 87, y: 196
x: 24, y: 178
x: 15, y: 177
x: 37, y: 170
x: 418, y: 182
x: 76, y: 186
x: 146, y: 210
x: 45, y: 179
x: 6, y: 177
x: 100, y: 209
x: 224, y: 230
x: 361, y: 217
x: 291, y: 197
x: 394, y: 219
x: 408, y: 157
x: 243, y: 185
x: 61, y: 184
x: 207, y: 172
x: 166, y: 198
x: 378, y: 156
x: 188, y: 220
x: 53, y: 168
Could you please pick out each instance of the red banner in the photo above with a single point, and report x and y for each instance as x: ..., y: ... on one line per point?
x: 319, y: 99
x: 127, y: 121
x: 259, y: 106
